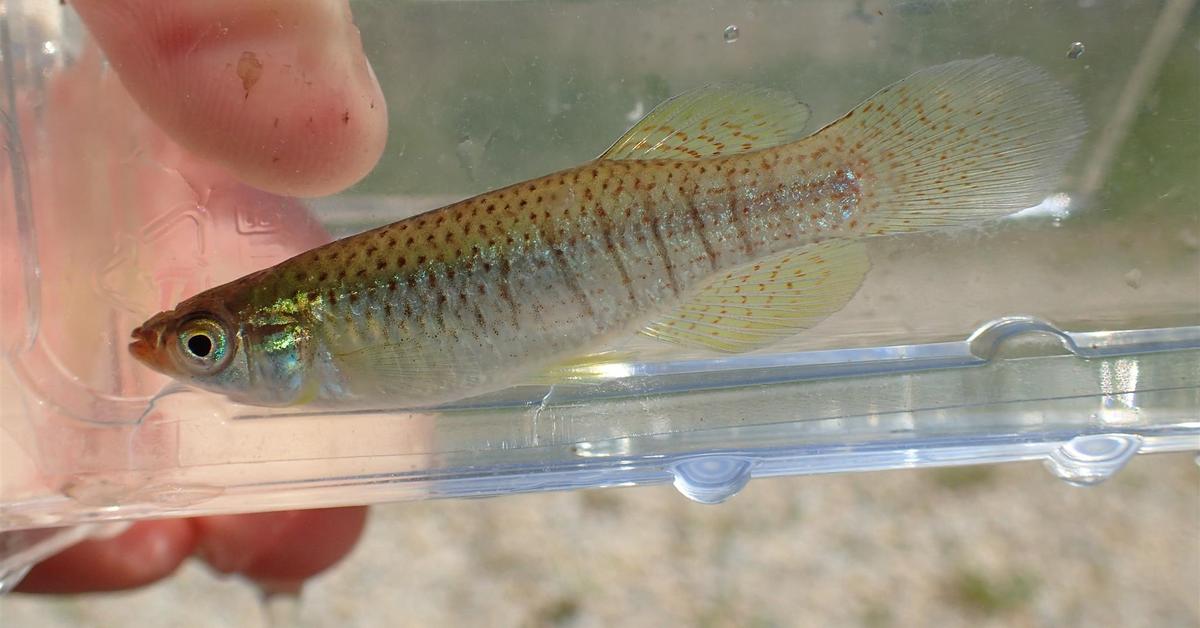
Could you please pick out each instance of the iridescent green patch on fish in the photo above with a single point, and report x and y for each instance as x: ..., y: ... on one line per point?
x: 713, y: 223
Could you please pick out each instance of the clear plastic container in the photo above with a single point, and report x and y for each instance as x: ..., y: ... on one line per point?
x: 1068, y: 333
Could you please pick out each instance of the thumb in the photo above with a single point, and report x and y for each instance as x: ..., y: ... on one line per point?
x: 279, y: 92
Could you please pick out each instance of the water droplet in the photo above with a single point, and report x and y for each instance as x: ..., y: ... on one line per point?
x: 49, y: 48
x: 1076, y: 50
x: 731, y: 33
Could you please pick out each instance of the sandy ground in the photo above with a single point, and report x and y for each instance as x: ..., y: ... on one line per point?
x: 979, y: 546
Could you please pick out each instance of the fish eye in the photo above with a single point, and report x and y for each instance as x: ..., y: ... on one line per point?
x: 204, y: 343
x: 200, y: 345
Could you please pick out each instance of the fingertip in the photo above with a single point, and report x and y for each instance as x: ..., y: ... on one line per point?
x: 324, y: 538
x: 148, y: 551
x: 280, y: 549
x: 280, y: 94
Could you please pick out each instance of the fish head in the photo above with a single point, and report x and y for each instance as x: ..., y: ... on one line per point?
x: 258, y: 359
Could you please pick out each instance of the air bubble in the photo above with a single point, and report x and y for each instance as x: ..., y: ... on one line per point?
x: 731, y: 33
x: 712, y: 479
x: 1076, y: 51
x: 1090, y: 459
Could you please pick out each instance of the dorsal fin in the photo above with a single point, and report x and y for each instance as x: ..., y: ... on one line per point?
x: 712, y: 121
x: 764, y: 301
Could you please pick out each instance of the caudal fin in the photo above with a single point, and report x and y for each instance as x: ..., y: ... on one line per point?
x: 959, y: 143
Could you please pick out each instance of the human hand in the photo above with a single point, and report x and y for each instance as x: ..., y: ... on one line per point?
x: 278, y: 91
x: 276, y: 94
x: 277, y: 550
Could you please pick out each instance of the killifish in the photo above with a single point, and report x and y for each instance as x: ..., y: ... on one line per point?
x: 714, y: 222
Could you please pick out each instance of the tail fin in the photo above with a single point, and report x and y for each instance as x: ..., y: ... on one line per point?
x: 959, y: 143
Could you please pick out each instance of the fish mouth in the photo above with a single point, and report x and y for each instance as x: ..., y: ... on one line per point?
x: 145, y: 346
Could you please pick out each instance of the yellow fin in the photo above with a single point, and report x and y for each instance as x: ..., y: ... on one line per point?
x: 712, y: 121
x: 767, y: 300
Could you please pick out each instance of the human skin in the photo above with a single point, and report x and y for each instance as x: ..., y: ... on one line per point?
x: 301, y: 115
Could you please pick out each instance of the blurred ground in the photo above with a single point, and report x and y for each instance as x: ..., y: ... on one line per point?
x: 977, y: 546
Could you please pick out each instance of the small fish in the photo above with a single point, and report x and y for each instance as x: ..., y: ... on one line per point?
x: 712, y: 223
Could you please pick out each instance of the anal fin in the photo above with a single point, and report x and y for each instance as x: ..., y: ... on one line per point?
x: 772, y: 298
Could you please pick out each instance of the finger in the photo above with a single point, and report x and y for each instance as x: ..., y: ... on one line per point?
x: 146, y: 552
x: 280, y: 549
x: 280, y: 92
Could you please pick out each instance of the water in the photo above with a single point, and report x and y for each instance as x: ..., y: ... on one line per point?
x: 731, y: 34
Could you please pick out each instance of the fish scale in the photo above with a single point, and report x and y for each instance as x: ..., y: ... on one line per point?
x: 712, y: 223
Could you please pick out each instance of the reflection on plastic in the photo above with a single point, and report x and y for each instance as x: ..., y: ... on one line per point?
x: 1119, y: 383
x: 712, y: 479
x: 1091, y: 459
